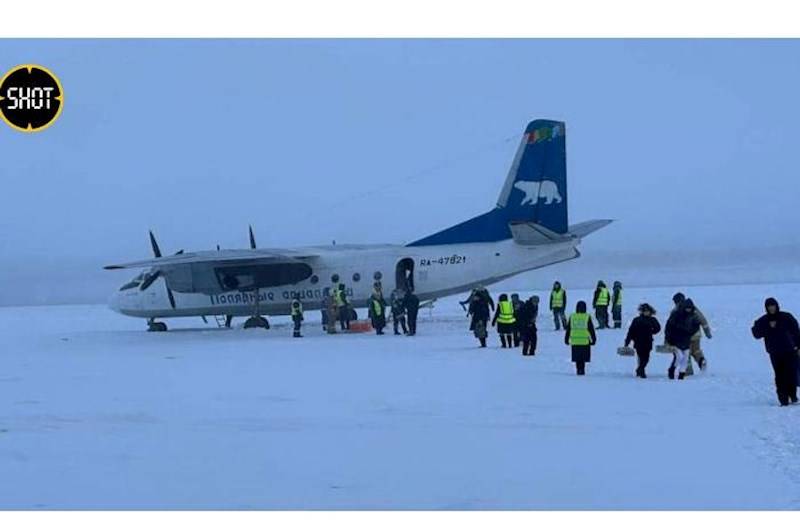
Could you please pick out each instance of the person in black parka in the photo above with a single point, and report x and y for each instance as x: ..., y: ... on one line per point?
x: 479, y: 312
x: 782, y: 341
x: 641, y: 332
x: 526, y: 325
x: 412, y: 309
x: 681, y: 326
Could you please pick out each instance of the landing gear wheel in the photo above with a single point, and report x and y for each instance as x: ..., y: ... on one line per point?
x: 156, y: 326
x: 254, y: 322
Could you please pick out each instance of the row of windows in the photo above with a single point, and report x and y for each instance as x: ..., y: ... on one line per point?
x: 356, y: 277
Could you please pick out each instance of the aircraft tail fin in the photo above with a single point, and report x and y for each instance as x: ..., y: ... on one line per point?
x: 536, y: 186
x: 535, y: 191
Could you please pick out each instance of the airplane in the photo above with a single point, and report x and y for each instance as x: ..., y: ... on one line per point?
x: 527, y: 229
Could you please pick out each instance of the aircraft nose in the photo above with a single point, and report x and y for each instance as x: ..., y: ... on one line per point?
x: 115, y: 302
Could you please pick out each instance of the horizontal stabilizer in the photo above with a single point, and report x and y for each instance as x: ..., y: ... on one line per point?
x: 530, y: 233
x: 587, y: 227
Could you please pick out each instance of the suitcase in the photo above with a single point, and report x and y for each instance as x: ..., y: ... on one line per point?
x: 625, y: 351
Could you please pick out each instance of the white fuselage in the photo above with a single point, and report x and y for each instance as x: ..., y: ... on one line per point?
x: 438, y: 271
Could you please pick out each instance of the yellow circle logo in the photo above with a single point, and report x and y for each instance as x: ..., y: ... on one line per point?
x: 31, y: 98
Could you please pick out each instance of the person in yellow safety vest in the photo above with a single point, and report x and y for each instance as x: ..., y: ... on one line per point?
x: 580, y: 336
x: 297, y: 317
x: 342, y: 306
x: 602, y: 298
x: 558, y: 303
x: 505, y: 321
x: 616, y: 305
x: 376, y: 307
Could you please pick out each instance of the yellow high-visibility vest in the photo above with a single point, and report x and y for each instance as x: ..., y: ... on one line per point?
x: 377, y: 308
x: 506, y: 312
x: 619, y: 298
x: 297, y: 309
x: 338, y: 297
x: 579, y: 329
x: 604, y: 297
x: 557, y: 299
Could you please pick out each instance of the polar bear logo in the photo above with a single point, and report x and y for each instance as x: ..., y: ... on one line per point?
x: 535, y: 190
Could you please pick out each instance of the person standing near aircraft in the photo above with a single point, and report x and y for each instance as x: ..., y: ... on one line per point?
x: 781, y: 336
x: 641, y: 332
x: 412, y: 309
x: 479, y: 312
x: 526, y: 325
x: 681, y: 325
x: 297, y: 317
x: 558, y: 303
x: 602, y: 297
x: 517, y: 304
x: 616, y: 302
x: 342, y: 306
x: 377, y: 312
x: 580, y: 335
x: 505, y: 321
x: 328, y: 312
x: 397, y: 301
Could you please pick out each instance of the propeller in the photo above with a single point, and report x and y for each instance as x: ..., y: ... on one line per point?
x: 157, y: 253
x: 252, y: 237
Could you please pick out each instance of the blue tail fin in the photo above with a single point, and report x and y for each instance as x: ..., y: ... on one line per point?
x: 535, y: 190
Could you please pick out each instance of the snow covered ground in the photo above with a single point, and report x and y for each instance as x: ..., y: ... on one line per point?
x: 96, y: 413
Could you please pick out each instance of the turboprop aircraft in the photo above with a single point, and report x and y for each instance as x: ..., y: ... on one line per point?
x: 527, y: 229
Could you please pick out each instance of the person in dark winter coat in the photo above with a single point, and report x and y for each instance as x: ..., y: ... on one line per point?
x: 782, y: 341
x: 600, y: 302
x: 641, y: 332
x: 681, y: 326
x: 517, y: 304
x: 526, y: 325
x: 616, y: 305
x: 377, y: 311
x: 479, y: 312
x: 580, y: 336
x: 397, y: 300
x: 558, y: 303
x: 297, y: 317
x: 412, y: 309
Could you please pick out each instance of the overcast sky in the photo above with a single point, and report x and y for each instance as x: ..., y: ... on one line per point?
x: 687, y: 144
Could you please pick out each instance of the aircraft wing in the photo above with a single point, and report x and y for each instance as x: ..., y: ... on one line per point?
x: 217, y: 271
x: 212, y: 257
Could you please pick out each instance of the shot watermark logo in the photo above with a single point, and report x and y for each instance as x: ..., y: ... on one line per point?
x: 31, y: 98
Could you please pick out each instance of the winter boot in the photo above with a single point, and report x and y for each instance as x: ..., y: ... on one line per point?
x: 681, y: 376
x: 671, y: 373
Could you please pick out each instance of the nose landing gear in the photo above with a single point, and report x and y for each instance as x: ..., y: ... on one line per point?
x: 156, y: 326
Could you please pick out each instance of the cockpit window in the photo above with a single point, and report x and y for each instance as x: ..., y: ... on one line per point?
x: 135, y: 282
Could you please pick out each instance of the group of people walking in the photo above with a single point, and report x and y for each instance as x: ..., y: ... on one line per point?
x: 516, y: 325
x: 684, y: 329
